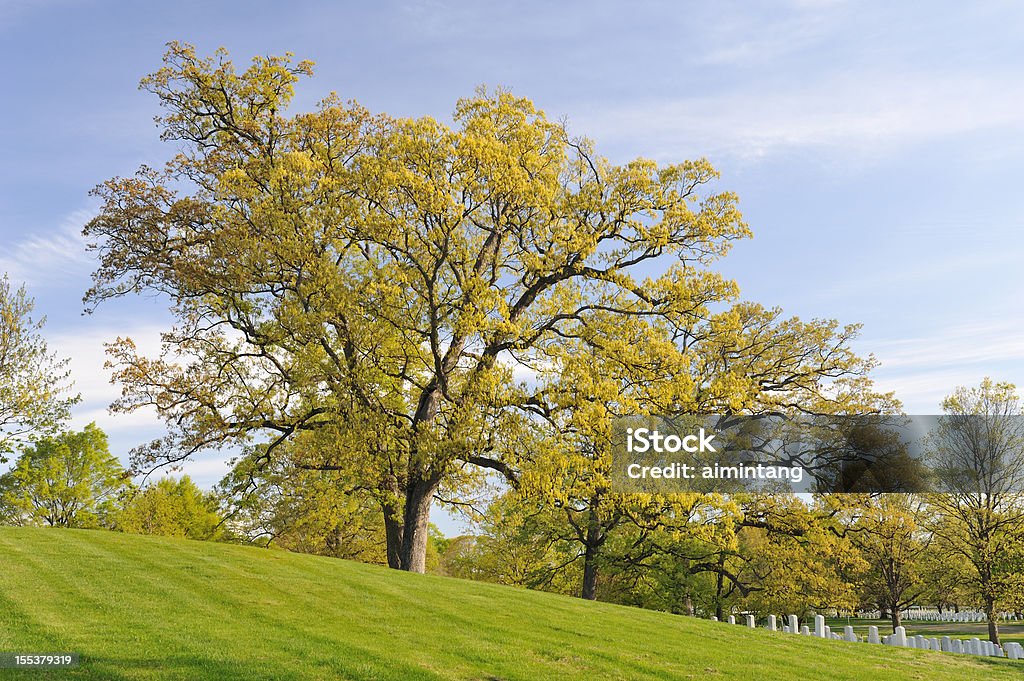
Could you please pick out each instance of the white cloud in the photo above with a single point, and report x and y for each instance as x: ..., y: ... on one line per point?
x: 87, y: 355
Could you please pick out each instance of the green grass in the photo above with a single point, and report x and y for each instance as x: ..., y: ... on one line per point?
x: 152, y: 608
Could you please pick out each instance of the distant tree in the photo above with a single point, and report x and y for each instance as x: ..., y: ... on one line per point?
x: 889, y: 532
x: 172, y: 508
x: 978, y: 454
x: 33, y: 394
x: 279, y: 502
x: 69, y: 480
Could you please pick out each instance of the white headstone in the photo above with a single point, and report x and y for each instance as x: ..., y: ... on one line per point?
x: 946, y: 645
x: 714, y: 618
x: 899, y: 637
x: 805, y: 630
x: 819, y: 626
x: 794, y: 624
x: 849, y: 635
x: 771, y: 623
x: 873, y: 634
x: 732, y: 619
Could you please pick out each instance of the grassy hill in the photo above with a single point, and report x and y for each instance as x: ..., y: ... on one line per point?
x: 152, y: 608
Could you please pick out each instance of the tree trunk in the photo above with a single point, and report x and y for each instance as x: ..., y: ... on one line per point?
x: 594, y: 539
x: 993, y: 624
x: 688, y: 605
x: 720, y: 588
x: 589, y: 590
x: 415, y: 525
x: 897, y: 619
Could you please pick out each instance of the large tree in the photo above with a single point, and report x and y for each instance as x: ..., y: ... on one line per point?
x: 397, y: 286
x: 381, y: 276
x: 33, y: 382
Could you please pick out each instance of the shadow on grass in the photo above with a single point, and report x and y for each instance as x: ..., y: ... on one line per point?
x: 201, y: 668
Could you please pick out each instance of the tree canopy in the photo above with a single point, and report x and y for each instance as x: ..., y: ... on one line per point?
x: 67, y: 480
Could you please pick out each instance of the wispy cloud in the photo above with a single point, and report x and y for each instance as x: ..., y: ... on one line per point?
x: 52, y: 257
x: 923, y: 370
x: 867, y: 113
x: 987, y: 343
x: 742, y: 38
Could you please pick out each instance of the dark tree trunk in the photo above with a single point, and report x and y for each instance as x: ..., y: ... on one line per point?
x: 897, y: 619
x: 993, y: 624
x: 719, y: 589
x: 594, y: 538
x: 393, y: 535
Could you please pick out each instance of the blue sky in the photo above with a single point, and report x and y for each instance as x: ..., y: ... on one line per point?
x: 877, y: 147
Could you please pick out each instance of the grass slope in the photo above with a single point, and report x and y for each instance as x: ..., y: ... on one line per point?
x: 153, y: 608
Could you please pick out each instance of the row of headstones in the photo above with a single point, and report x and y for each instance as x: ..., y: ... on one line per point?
x: 936, y: 616
x: 946, y: 644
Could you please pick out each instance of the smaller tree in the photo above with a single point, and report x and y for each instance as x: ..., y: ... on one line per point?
x: 70, y: 480
x: 33, y: 390
x: 978, y: 453
x: 172, y: 508
x: 888, y: 531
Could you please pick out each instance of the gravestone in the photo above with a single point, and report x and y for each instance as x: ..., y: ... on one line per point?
x: 771, y: 622
x: 873, y: 635
x: 899, y: 637
x: 849, y: 635
x: 819, y: 626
